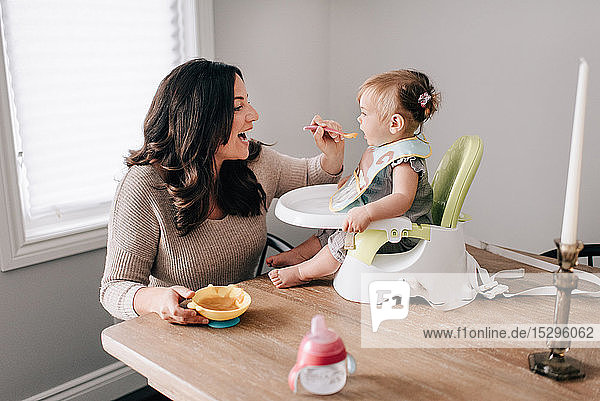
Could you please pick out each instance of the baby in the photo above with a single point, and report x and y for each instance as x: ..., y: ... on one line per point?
x: 391, y: 179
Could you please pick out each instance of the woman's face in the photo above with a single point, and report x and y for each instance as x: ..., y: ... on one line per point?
x: 243, y: 117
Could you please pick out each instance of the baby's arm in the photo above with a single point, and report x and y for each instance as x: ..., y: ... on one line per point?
x: 405, y: 181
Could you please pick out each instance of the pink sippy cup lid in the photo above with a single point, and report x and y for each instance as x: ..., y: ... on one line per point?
x: 320, y: 346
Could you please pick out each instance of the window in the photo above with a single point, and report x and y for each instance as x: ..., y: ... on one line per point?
x: 76, y: 80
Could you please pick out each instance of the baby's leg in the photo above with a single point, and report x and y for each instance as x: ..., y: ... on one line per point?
x: 286, y: 258
x: 302, y: 252
x: 322, y: 264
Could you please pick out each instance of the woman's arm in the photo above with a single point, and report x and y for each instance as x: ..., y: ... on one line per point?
x: 288, y: 173
x: 279, y: 173
x: 405, y: 181
x: 133, y: 237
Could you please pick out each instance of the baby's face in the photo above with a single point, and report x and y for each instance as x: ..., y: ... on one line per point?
x: 376, y: 131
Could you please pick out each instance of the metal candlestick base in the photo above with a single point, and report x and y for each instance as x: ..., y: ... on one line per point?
x: 555, y: 364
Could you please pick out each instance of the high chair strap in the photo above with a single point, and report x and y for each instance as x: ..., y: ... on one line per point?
x: 551, y: 290
x: 490, y: 287
x: 542, y: 290
x: 486, y: 285
x: 473, y: 270
x: 418, y: 231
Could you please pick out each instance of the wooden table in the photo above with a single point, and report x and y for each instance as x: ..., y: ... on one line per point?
x: 251, y: 361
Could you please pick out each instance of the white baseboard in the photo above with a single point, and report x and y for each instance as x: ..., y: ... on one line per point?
x: 108, y: 383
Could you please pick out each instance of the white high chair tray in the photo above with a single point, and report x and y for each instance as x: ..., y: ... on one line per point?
x: 309, y: 207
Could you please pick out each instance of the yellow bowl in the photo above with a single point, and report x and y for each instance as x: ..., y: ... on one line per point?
x: 211, y: 300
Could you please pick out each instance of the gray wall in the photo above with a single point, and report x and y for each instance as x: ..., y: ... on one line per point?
x: 50, y: 324
x: 507, y: 72
x: 282, y: 48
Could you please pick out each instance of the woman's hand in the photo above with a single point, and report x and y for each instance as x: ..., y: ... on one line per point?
x: 357, y: 220
x: 165, y: 301
x: 331, y: 144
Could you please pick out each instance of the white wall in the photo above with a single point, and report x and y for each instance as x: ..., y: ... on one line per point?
x: 507, y: 72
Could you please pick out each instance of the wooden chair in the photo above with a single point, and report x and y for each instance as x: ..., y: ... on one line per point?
x: 277, y: 244
x: 589, y: 251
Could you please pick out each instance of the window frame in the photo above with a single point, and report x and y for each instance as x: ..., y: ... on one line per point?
x: 196, y: 22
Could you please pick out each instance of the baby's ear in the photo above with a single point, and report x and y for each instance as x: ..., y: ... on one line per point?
x: 396, y: 124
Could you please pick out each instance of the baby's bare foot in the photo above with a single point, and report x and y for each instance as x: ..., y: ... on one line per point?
x: 287, y: 258
x: 288, y: 277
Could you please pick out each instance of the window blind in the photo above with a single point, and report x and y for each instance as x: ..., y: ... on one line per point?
x: 82, y: 76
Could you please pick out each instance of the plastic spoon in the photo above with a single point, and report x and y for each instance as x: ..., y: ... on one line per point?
x: 345, y: 135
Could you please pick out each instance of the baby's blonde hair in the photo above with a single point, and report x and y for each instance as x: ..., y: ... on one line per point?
x: 405, y: 92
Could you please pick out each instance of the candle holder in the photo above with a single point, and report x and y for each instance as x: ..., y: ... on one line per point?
x: 555, y: 364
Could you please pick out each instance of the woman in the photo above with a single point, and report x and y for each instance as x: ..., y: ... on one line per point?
x: 191, y: 210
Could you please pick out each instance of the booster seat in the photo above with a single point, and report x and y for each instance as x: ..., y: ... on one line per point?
x: 438, y: 268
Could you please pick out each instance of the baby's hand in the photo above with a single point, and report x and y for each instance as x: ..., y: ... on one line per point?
x: 357, y: 220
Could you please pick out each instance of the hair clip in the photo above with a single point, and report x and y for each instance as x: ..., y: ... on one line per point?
x: 424, y: 98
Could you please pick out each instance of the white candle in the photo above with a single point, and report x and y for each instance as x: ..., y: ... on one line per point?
x: 569, y: 225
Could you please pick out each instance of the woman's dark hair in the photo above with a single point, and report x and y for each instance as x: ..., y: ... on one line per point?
x: 191, y: 115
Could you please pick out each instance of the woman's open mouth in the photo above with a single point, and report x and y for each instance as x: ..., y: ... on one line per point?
x: 242, y: 136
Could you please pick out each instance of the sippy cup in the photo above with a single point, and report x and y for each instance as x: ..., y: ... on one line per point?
x: 322, y: 360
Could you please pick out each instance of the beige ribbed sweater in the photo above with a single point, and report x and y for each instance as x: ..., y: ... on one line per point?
x: 144, y: 249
